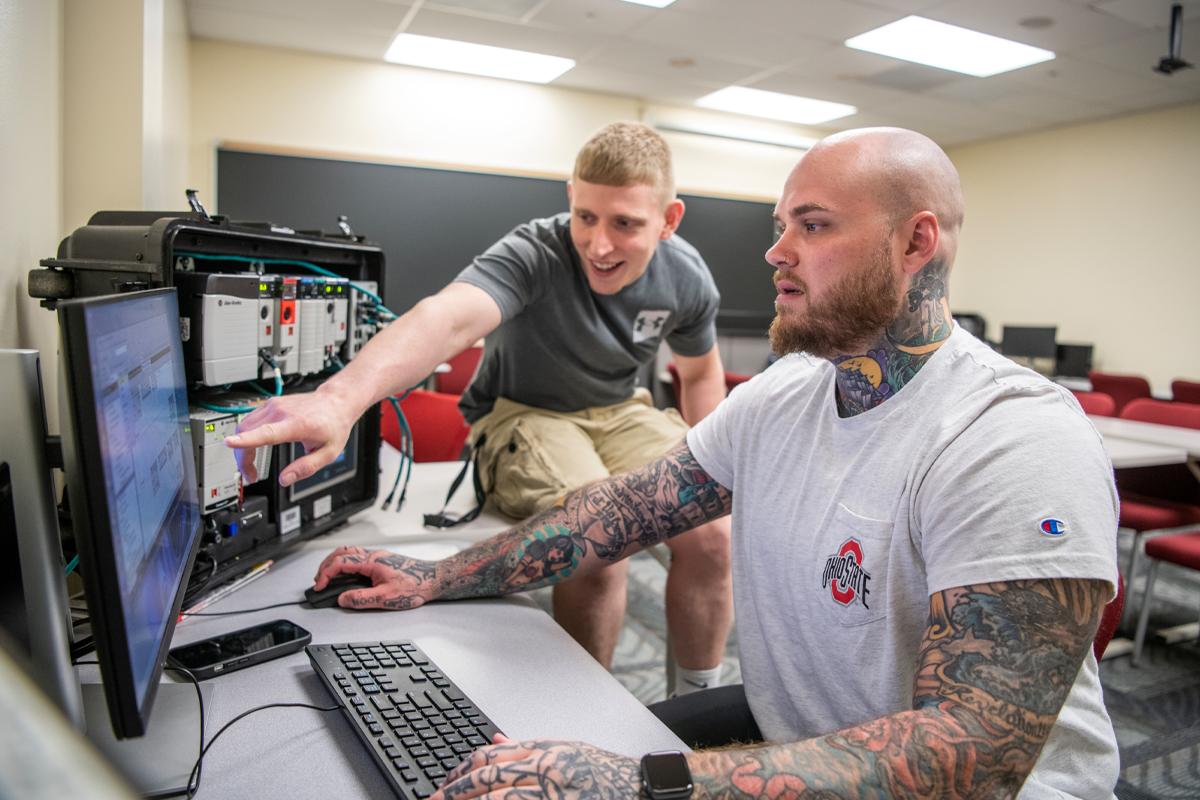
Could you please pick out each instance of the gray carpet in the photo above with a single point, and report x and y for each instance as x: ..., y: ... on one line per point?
x: 1155, y: 707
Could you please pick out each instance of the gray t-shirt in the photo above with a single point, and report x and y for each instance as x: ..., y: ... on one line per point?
x: 844, y: 528
x: 562, y: 347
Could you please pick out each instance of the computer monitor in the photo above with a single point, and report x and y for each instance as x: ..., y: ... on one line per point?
x: 1073, y: 360
x: 1028, y: 341
x: 127, y: 453
x: 35, y: 624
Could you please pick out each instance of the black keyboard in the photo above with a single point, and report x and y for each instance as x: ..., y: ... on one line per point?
x: 411, y: 717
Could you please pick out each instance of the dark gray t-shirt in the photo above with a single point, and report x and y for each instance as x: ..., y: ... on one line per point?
x: 562, y: 347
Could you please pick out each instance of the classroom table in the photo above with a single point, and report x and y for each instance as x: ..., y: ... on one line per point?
x: 1149, y: 433
x: 1144, y: 444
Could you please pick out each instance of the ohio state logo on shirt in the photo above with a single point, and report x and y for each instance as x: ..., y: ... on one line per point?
x: 845, y: 576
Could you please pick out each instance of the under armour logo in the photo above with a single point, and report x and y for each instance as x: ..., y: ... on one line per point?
x: 649, y: 325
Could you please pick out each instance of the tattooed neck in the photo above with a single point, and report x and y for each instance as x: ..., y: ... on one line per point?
x: 922, y: 326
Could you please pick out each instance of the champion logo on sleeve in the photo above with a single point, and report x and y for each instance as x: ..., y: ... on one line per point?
x: 1052, y: 527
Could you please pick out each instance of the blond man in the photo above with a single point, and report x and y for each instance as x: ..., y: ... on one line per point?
x: 571, y: 308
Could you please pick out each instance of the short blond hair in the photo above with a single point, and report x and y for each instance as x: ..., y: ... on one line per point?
x: 627, y: 154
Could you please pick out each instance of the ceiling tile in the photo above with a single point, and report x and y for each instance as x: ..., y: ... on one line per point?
x: 614, y: 80
x: 813, y: 19
x: 504, y: 34
x: 1073, y: 27
x: 597, y: 16
x: 638, y: 59
x: 842, y: 62
x: 510, y: 10
x: 839, y: 90
x: 1139, y: 54
x: 902, y: 6
x: 714, y: 35
x: 1075, y: 78
x: 1148, y: 13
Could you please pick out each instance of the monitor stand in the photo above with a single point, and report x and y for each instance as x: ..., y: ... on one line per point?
x: 159, y: 763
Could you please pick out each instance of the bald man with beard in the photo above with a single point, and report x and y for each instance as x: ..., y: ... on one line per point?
x: 924, y: 533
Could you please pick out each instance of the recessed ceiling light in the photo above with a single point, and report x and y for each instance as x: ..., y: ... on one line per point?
x: 475, y: 59
x: 773, y: 105
x: 936, y: 44
x: 651, y: 3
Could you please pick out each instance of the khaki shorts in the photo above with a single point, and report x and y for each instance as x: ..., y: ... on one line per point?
x: 532, y: 457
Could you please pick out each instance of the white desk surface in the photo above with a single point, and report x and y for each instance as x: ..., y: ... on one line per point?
x: 1187, y: 439
x: 511, y: 658
x: 1127, y: 453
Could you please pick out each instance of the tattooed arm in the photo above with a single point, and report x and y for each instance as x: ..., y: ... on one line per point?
x: 587, y: 529
x: 994, y: 669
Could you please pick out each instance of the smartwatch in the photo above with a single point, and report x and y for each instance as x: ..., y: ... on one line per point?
x: 666, y: 776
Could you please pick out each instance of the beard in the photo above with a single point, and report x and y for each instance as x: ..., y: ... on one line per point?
x: 856, y: 312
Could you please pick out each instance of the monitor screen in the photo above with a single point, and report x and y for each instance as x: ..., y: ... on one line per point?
x: 131, y: 483
x: 1073, y: 360
x: 1027, y: 341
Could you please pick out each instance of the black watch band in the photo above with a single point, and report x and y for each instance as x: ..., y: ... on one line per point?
x: 666, y: 776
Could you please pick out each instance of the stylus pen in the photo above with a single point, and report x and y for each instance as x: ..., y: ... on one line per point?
x: 230, y: 588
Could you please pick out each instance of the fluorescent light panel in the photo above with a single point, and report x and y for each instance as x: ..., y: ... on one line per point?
x: 651, y: 3
x: 773, y: 105
x: 936, y: 44
x: 475, y: 59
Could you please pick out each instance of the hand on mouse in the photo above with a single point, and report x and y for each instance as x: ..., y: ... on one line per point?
x: 400, y: 582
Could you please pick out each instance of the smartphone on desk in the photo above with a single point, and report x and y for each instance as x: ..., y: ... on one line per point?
x: 239, y: 649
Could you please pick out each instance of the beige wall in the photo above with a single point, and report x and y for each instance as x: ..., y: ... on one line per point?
x: 76, y: 137
x: 290, y: 99
x: 1095, y: 228
x: 125, y: 106
x: 30, y: 176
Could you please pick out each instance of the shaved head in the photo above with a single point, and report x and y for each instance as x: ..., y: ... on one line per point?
x: 868, y: 226
x: 904, y: 171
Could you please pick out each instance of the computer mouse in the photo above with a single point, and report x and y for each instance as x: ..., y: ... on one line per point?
x: 328, y: 597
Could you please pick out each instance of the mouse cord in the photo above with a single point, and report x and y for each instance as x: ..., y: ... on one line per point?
x: 183, y: 614
x: 204, y: 750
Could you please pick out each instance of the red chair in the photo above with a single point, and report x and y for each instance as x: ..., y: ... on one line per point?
x: 1185, y: 391
x: 1098, y: 404
x: 1161, y: 412
x: 1109, y: 620
x: 1157, y: 498
x: 439, y: 431
x: 1179, y: 548
x: 462, y: 370
x: 732, y: 379
x: 1121, y: 388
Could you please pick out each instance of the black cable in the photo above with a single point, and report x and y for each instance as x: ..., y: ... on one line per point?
x: 243, y: 715
x: 193, y: 788
x: 243, y: 611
